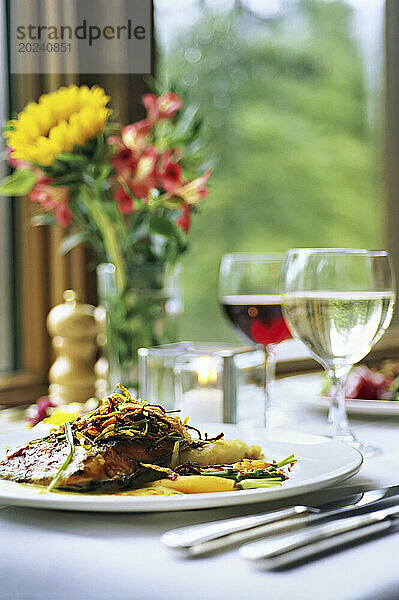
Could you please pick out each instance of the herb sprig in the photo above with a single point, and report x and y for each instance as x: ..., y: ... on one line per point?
x: 69, y: 438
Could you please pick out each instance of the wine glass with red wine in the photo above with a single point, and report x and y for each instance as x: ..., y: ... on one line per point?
x: 249, y: 292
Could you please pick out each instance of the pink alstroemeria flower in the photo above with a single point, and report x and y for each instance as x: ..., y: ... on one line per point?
x: 162, y: 107
x: 144, y: 176
x: 193, y: 191
x: 135, y: 136
x: 53, y: 198
x: 138, y: 174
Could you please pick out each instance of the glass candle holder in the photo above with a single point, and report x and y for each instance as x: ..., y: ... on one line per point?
x: 208, y: 382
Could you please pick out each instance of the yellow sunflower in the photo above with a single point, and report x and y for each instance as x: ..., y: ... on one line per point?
x: 56, y: 123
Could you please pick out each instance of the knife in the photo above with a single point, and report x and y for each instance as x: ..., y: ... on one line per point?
x: 284, y: 550
x: 201, y: 539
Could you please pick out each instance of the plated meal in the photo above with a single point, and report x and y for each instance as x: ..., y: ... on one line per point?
x: 312, y: 390
x: 129, y: 447
x: 377, y: 383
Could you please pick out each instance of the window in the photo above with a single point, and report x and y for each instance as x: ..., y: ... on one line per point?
x: 292, y: 94
x: 7, y: 321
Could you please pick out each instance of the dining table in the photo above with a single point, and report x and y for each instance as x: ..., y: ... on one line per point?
x: 65, y: 555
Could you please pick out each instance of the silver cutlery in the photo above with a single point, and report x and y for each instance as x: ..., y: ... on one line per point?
x: 286, y: 549
x: 196, y: 540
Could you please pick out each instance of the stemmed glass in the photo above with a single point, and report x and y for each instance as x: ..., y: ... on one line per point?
x: 338, y: 302
x: 249, y: 292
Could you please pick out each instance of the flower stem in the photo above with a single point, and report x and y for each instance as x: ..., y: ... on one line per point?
x: 108, y: 234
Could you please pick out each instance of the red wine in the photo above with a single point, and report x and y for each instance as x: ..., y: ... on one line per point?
x: 258, y: 317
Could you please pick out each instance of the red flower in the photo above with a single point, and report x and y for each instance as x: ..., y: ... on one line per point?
x: 53, y: 198
x: 184, y: 221
x: 171, y: 175
x: 170, y: 155
x: 124, y: 161
x: 161, y: 107
x: 135, y: 136
x: 124, y: 201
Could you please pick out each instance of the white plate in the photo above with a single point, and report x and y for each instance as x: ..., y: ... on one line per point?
x: 308, y: 387
x: 321, y: 462
x: 356, y: 406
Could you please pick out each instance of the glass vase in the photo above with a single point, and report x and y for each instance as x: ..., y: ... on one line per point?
x: 145, y: 313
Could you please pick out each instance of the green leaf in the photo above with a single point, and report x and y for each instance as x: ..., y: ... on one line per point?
x: 69, y: 242
x: 71, y: 157
x: 188, y: 119
x: 162, y: 226
x: 172, y: 202
x: 72, y: 177
x: 155, y: 85
x: 19, y: 183
x: 99, y: 147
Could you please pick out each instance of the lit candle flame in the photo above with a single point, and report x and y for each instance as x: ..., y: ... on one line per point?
x: 206, y: 371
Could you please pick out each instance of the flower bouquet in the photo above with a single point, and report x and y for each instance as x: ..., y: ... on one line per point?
x: 127, y: 192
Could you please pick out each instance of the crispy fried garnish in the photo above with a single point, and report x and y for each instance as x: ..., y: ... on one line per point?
x: 249, y: 465
x: 120, y: 416
x: 158, y: 468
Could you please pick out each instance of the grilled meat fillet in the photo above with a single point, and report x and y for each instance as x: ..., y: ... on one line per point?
x: 109, y: 466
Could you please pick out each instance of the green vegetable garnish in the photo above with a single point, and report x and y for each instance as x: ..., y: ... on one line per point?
x: 245, y: 480
x: 286, y: 461
x: 248, y: 484
x: 69, y: 438
x: 227, y: 473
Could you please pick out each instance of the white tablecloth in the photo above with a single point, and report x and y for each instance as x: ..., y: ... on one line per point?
x: 51, y: 555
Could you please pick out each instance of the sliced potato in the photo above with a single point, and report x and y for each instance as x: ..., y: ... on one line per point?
x: 152, y: 490
x: 196, y: 484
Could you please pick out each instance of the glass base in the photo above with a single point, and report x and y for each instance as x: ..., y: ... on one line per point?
x: 367, y: 450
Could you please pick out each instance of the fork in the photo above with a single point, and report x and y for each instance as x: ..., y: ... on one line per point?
x: 200, y: 539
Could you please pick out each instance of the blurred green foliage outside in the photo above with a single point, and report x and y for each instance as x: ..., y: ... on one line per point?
x: 286, y: 110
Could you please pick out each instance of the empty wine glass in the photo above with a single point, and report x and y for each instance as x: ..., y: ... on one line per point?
x: 338, y: 302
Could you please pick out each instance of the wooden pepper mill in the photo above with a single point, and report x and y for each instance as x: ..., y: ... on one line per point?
x: 73, y: 329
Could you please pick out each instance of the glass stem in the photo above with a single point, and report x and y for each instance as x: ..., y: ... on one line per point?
x: 337, y: 414
x: 270, y: 372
